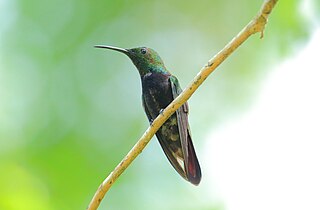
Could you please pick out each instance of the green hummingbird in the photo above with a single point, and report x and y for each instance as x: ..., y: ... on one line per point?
x: 159, y: 89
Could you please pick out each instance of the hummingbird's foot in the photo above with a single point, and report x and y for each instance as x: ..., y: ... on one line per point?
x: 151, y: 121
x: 161, y: 110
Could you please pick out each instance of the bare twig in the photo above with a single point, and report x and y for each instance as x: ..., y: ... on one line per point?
x: 256, y: 25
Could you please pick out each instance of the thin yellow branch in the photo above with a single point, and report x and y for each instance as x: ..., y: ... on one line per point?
x: 256, y: 25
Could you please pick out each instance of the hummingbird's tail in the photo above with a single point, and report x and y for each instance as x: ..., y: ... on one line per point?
x: 192, y: 166
x: 182, y: 157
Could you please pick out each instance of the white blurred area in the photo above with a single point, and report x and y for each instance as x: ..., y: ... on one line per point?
x: 269, y: 158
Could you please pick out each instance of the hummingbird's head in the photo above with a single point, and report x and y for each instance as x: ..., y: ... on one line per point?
x: 145, y: 59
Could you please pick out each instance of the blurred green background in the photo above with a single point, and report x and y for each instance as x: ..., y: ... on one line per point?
x: 69, y: 112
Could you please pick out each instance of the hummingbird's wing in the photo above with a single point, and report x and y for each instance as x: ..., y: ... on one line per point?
x: 172, y: 148
x: 191, y: 164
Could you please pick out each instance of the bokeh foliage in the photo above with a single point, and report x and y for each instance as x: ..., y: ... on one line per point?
x: 69, y: 112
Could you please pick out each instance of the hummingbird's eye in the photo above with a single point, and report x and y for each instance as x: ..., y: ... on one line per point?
x: 143, y: 51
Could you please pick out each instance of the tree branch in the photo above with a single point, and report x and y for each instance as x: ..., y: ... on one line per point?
x: 254, y: 26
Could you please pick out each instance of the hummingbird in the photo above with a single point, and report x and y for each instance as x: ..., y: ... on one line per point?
x: 159, y: 89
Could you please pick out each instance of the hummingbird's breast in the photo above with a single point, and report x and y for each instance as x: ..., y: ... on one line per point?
x: 156, y: 91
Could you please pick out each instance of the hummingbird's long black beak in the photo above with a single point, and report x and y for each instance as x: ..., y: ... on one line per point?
x: 125, y: 51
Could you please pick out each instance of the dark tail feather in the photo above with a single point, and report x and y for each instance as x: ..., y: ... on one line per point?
x: 193, y: 170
